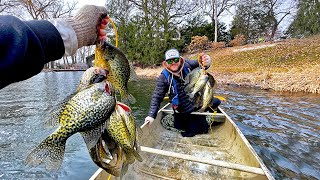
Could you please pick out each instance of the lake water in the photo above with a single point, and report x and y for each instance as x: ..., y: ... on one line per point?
x: 283, y: 128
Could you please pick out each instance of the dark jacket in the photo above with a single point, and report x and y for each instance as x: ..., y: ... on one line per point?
x: 25, y: 47
x: 162, y: 87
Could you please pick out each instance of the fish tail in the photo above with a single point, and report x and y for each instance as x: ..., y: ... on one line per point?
x: 137, y: 155
x: 124, y: 170
x: 49, y: 152
x: 128, y: 99
x: 133, y: 74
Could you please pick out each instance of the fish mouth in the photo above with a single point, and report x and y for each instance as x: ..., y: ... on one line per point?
x: 100, y: 74
x: 98, y: 78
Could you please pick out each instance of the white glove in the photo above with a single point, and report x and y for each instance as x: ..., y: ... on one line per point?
x: 149, y: 120
x: 206, y: 60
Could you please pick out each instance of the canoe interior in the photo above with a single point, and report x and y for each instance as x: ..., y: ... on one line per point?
x: 223, y: 142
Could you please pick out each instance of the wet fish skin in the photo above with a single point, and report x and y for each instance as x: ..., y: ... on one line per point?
x: 86, y: 112
x: 207, y: 96
x: 192, y: 79
x: 122, y: 129
x: 119, y: 71
x: 199, y: 85
x: 90, y: 76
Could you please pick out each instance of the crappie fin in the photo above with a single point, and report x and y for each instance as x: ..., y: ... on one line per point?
x: 124, y: 170
x: 137, y: 155
x: 91, y: 137
x: 53, y: 120
x: 133, y: 74
x: 49, y: 153
x: 124, y: 107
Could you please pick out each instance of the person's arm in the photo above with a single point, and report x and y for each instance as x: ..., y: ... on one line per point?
x: 193, y: 63
x: 25, y: 47
x: 158, y: 95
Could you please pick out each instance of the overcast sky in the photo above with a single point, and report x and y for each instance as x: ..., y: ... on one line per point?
x: 226, y: 17
x: 94, y: 2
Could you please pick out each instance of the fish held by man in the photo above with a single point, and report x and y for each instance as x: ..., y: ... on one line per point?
x: 118, y: 68
x: 201, y: 82
x: 208, y: 92
x: 85, y: 112
x: 192, y: 78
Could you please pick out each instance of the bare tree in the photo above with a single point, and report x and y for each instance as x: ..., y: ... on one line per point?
x: 214, y: 9
x: 6, y: 6
x: 277, y: 11
x: 61, y: 9
x: 168, y: 14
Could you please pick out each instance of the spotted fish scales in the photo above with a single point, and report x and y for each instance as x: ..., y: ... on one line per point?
x: 86, y: 112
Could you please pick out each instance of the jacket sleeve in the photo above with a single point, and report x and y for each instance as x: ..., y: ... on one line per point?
x: 158, y: 95
x: 193, y: 63
x: 25, y: 47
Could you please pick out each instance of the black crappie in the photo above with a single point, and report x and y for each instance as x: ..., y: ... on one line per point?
x: 192, y: 78
x: 199, y: 85
x: 207, y: 96
x: 119, y: 71
x: 122, y: 128
x: 85, y: 112
x: 90, y: 76
x: 108, y: 153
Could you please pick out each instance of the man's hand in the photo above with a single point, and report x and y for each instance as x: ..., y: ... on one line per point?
x: 89, y: 24
x: 205, y: 60
x: 149, y: 120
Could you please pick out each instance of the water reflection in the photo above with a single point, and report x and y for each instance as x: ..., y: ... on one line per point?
x: 283, y: 128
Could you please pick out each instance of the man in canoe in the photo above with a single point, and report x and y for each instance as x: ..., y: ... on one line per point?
x: 172, y: 80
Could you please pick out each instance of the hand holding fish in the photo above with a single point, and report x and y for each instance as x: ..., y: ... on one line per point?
x: 102, y: 32
x: 89, y: 24
x: 205, y: 60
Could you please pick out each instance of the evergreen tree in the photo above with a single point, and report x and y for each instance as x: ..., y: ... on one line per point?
x: 252, y: 19
x: 307, y: 19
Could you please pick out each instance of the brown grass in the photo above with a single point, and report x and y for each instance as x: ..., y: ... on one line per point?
x: 292, y: 65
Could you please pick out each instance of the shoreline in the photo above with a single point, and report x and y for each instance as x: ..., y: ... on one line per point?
x: 300, y: 82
